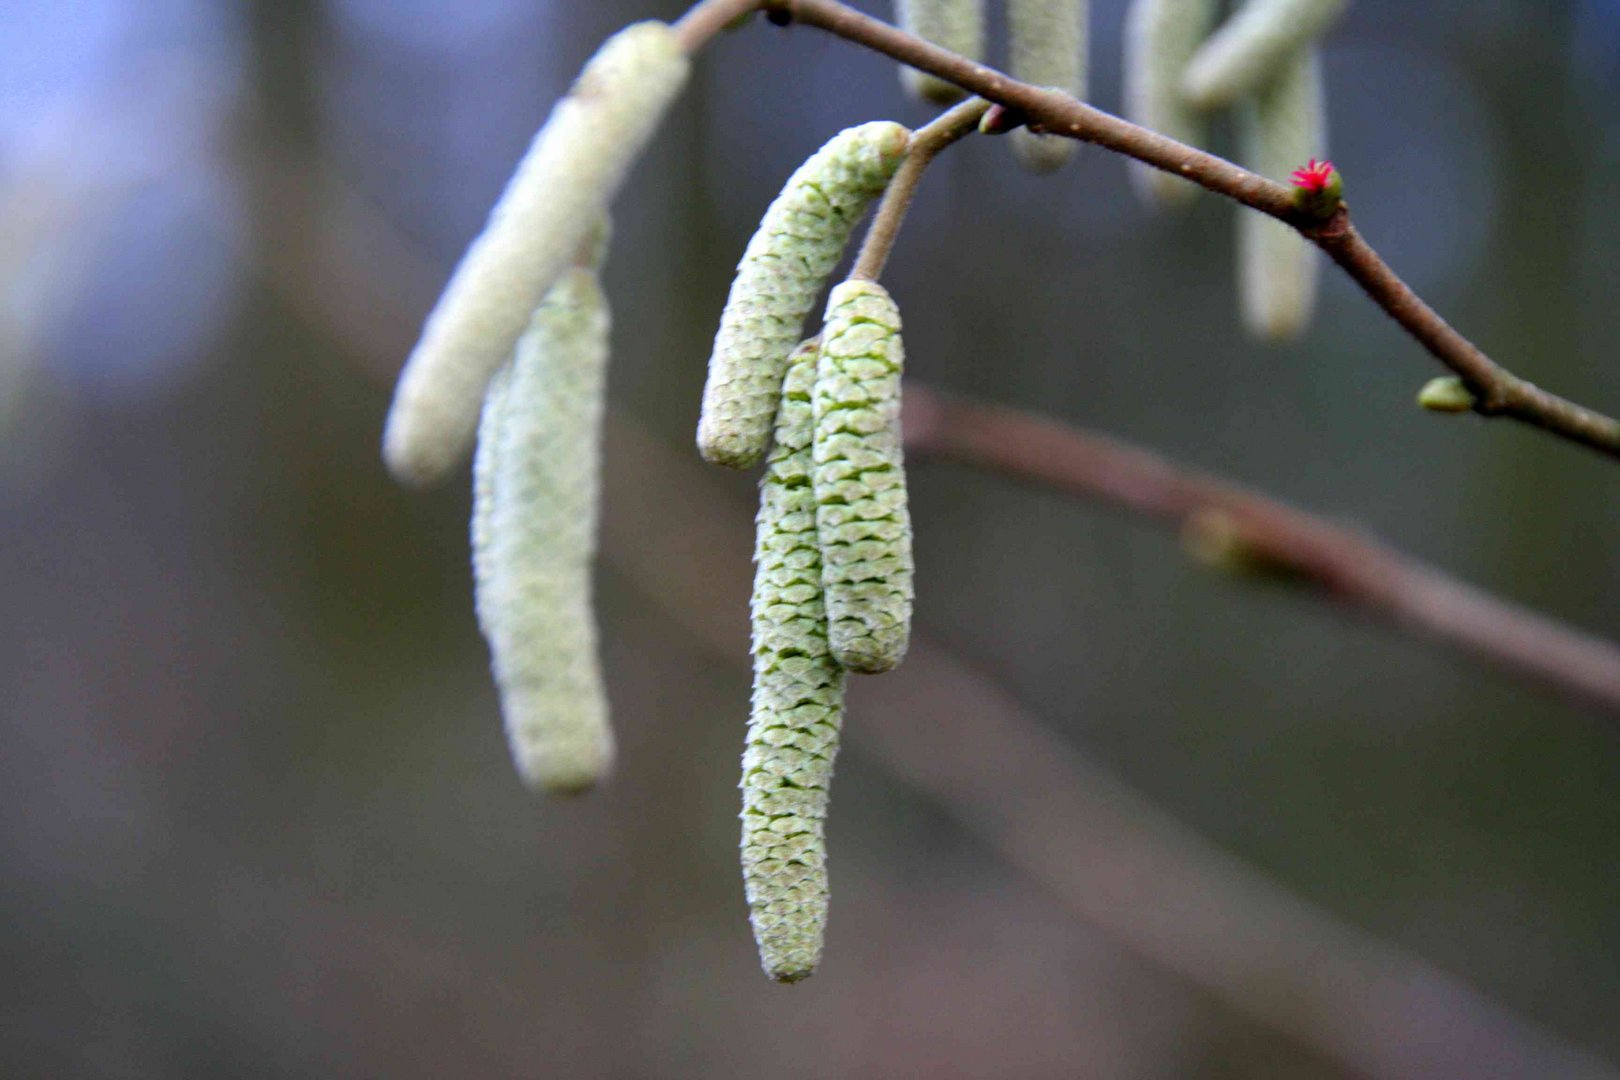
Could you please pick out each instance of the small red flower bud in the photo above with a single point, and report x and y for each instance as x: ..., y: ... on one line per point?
x: 1318, y: 188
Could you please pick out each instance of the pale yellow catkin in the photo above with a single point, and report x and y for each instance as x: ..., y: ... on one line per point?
x: 1280, y: 128
x: 536, y: 493
x: 1160, y: 38
x: 787, y: 263
x: 575, y: 166
x: 957, y: 25
x: 798, y: 701
x: 1253, y: 47
x: 863, y: 523
x: 1047, y: 47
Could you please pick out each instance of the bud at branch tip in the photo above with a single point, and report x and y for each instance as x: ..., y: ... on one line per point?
x: 1446, y: 394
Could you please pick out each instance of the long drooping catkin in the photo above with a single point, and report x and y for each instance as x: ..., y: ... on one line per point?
x: 534, y: 536
x: 862, y: 520
x: 576, y: 164
x: 957, y: 25
x: 787, y: 263
x: 1047, y: 47
x: 1253, y: 46
x: 1160, y: 38
x: 798, y: 702
x: 1281, y: 127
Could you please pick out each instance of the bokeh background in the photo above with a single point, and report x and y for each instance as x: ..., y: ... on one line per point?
x: 1122, y: 817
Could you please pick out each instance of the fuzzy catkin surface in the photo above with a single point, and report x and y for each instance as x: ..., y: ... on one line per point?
x: 1279, y: 129
x: 575, y: 165
x: 535, y: 490
x: 957, y: 25
x: 862, y: 519
x: 1160, y: 38
x: 784, y: 268
x: 1047, y: 47
x: 1254, y: 46
x: 798, y: 702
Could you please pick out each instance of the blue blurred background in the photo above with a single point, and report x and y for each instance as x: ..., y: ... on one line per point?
x: 256, y: 814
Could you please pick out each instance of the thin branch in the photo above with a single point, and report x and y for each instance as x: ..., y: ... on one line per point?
x: 708, y: 18
x: 1255, y: 532
x: 1498, y: 391
x: 1107, y: 854
x: 926, y: 144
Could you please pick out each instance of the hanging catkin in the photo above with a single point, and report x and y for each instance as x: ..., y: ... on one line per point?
x: 957, y: 25
x: 1160, y: 37
x: 536, y: 479
x: 860, y: 482
x: 1047, y: 48
x: 787, y: 263
x: 1253, y: 46
x: 1281, y: 127
x: 575, y: 165
x: 798, y: 702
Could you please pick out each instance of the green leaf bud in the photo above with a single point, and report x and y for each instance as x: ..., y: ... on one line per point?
x: 1447, y: 394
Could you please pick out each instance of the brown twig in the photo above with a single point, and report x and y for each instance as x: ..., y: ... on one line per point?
x: 926, y: 144
x: 1498, y: 391
x: 708, y: 18
x: 1255, y: 532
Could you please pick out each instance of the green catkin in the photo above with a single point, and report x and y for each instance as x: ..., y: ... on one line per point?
x: 788, y: 261
x: 1047, y: 47
x: 957, y: 25
x: 575, y: 165
x: 860, y: 482
x: 798, y: 702
x: 535, y: 491
x: 1160, y: 38
x: 1253, y: 46
x: 1279, y: 129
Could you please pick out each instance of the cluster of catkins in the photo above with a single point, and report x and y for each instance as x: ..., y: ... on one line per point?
x: 1179, y: 68
x: 514, y: 356
x: 1264, y: 60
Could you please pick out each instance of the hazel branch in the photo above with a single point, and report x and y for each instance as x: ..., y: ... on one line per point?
x: 1241, y: 529
x: 926, y: 144
x: 1497, y: 391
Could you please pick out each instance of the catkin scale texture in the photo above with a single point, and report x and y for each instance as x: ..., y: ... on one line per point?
x: 1281, y: 127
x: 575, y: 165
x: 957, y: 25
x: 786, y: 264
x: 535, y: 491
x: 1253, y: 46
x: 862, y: 519
x: 798, y: 699
x: 1160, y: 38
x: 1047, y: 46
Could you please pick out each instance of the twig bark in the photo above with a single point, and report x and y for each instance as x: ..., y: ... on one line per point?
x: 708, y: 18
x: 1260, y: 533
x: 891, y: 213
x: 1498, y: 391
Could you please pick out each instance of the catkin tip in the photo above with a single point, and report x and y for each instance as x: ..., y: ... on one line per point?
x: 567, y: 771
x: 790, y: 975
